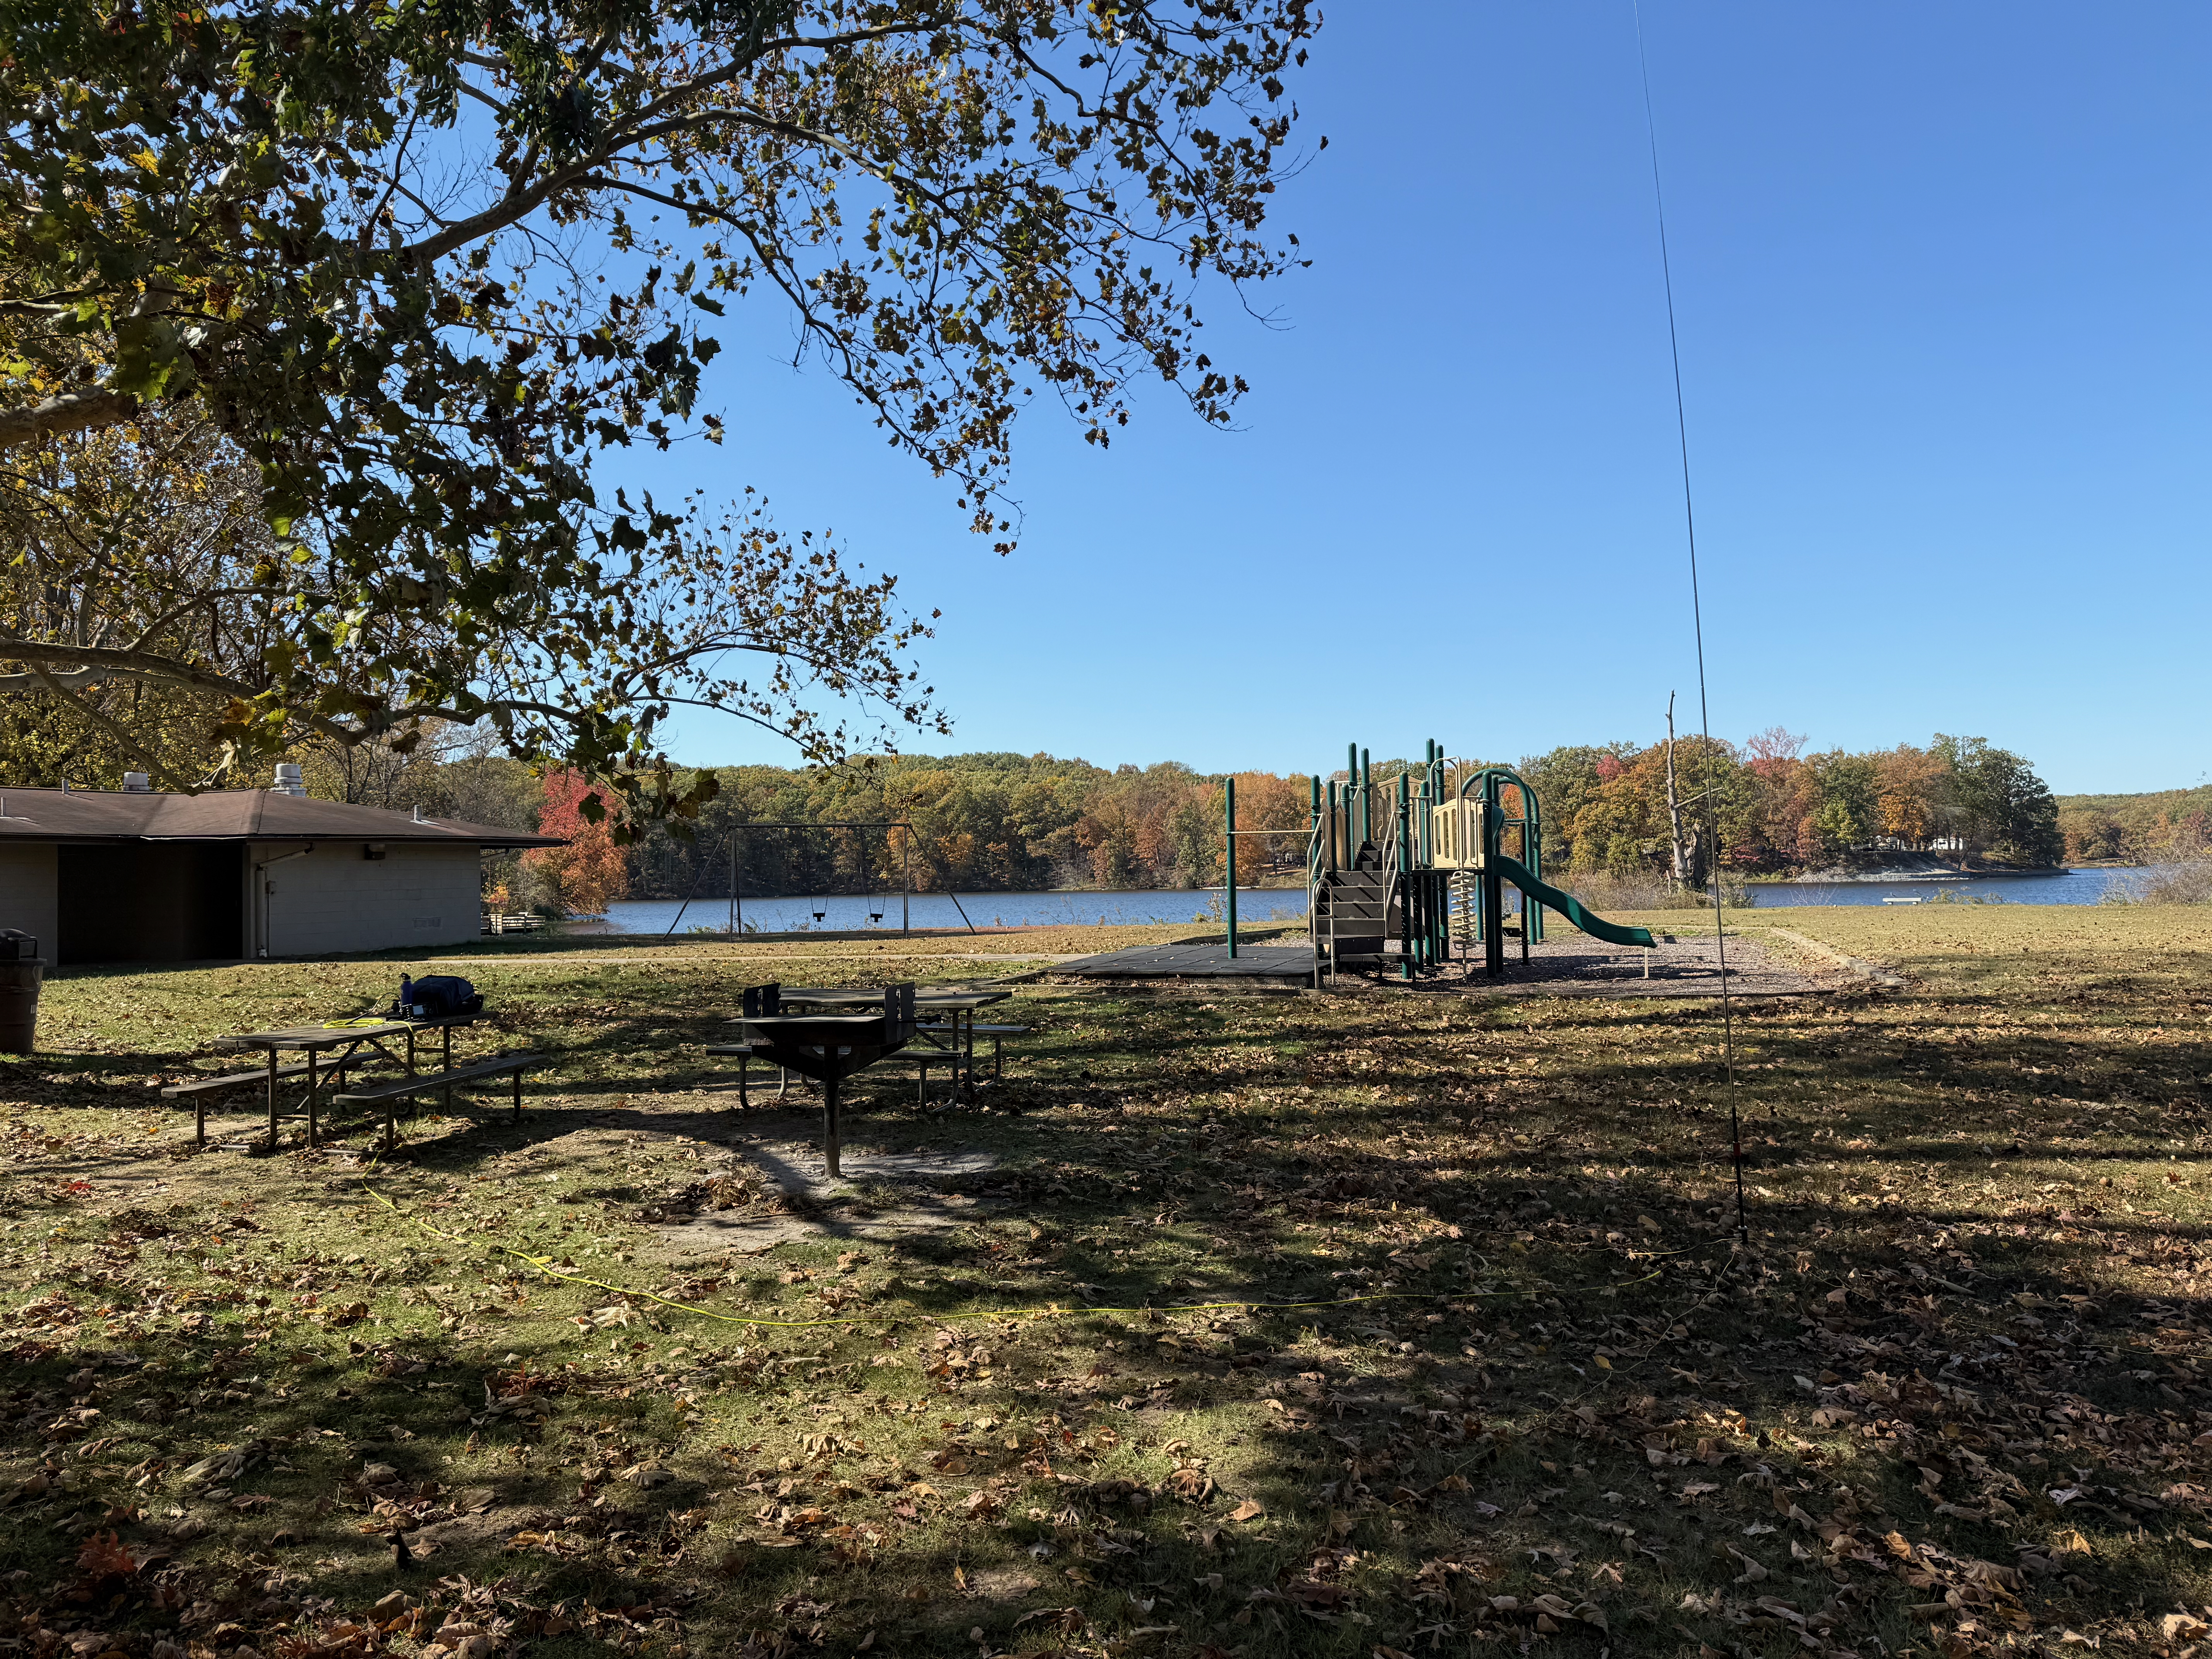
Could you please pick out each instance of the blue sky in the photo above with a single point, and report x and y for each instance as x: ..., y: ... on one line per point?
x: 1943, y: 280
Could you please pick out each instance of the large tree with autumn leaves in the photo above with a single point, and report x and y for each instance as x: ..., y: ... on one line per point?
x: 420, y: 268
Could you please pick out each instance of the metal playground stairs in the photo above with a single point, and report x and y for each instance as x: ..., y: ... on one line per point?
x: 1353, y: 910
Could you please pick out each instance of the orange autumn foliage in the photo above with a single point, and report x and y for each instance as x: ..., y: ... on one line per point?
x: 590, y: 871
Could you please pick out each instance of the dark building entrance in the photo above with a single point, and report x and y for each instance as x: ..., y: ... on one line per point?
x: 151, y: 901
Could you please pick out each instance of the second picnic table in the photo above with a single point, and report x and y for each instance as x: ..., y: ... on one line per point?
x: 959, y: 1005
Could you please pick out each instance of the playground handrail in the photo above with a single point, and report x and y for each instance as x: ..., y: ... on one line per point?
x: 1316, y: 852
x: 1390, y: 878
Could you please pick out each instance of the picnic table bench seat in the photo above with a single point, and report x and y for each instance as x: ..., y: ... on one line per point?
x: 976, y: 1028
x: 196, y: 1090
x: 405, y: 1088
x: 209, y: 1085
x: 998, y: 1034
x: 925, y: 1055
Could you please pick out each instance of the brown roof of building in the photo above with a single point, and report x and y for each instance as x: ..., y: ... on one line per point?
x: 228, y: 815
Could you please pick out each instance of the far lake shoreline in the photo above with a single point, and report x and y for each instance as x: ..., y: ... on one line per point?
x: 1945, y: 872
x: 1084, y: 907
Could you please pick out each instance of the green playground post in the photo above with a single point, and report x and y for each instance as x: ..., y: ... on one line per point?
x: 1493, y: 880
x: 1421, y: 819
x: 1366, y: 796
x: 1229, y: 792
x: 1350, y: 788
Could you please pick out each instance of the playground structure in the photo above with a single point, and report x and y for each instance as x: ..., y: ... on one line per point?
x: 1424, y: 859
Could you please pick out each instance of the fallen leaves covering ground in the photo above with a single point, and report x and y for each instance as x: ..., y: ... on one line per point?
x: 1947, y: 1398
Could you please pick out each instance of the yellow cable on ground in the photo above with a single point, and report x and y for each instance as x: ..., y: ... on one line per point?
x: 545, y: 1265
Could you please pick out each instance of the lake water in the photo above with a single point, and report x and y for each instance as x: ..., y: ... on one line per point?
x: 2059, y: 887
x: 779, y: 916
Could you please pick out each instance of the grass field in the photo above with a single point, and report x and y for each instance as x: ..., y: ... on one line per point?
x: 1483, y: 1365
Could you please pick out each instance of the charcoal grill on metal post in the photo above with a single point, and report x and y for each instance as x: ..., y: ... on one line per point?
x: 827, y: 1047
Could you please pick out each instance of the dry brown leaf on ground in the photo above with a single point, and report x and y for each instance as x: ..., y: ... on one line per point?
x: 217, y: 1467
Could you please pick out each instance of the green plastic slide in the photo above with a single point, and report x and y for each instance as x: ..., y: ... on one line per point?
x: 1568, y: 906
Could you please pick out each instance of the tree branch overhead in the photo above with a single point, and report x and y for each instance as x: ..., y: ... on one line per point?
x: 423, y: 329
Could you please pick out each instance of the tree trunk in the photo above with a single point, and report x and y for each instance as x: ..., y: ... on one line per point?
x: 1684, y: 868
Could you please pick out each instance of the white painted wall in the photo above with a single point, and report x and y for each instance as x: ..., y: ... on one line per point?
x: 29, y: 897
x: 335, y: 900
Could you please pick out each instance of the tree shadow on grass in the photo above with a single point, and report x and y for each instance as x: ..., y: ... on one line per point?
x: 1416, y: 1459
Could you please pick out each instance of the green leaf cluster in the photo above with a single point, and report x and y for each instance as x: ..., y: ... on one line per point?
x: 422, y: 263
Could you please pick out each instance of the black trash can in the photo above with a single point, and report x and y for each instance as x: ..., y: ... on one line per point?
x: 21, y: 973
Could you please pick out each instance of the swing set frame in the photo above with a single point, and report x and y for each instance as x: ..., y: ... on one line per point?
x: 906, y: 861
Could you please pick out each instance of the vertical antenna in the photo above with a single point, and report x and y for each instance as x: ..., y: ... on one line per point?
x: 1698, y: 622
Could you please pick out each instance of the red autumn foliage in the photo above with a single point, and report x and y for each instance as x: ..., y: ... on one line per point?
x: 591, y: 870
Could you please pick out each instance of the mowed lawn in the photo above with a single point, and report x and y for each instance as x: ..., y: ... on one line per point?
x: 1358, y: 1324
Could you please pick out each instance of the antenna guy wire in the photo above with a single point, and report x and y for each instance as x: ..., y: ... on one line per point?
x: 1696, y: 618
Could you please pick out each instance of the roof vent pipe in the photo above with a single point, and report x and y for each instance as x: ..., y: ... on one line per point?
x: 288, y: 780
x: 136, y: 783
x: 418, y: 816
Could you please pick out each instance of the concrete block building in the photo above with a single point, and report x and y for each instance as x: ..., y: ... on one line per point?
x: 137, y: 875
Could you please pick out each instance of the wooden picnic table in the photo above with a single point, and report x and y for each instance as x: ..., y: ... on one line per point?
x: 317, y: 1042
x: 959, y: 1005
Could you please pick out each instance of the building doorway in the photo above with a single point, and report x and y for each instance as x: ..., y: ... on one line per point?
x: 150, y: 902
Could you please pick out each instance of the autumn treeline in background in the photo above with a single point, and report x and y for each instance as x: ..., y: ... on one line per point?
x: 2168, y: 826
x: 981, y: 823
x: 1006, y: 822
x: 1774, y: 810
